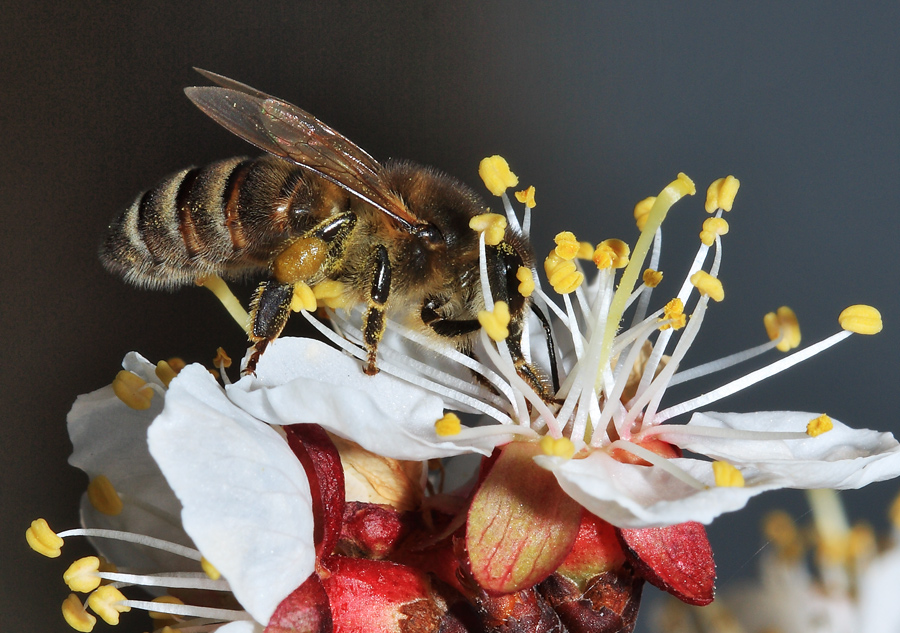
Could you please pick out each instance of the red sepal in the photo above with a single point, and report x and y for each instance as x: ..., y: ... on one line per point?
x: 305, y: 610
x: 677, y: 559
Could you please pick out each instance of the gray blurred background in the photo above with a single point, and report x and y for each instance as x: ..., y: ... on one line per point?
x: 598, y: 105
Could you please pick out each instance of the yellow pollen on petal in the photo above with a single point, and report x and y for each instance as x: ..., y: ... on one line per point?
x: 132, y: 390
x: 708, y: 285
x: 448, y: 425
x: 526, y: 197
x: 103, y: 496
x: 43, y: 540
x: 783, y: 323
x: 562, y: 274
x: 642, y: 211
x: 727, y: 476
x: 493, y: 225
x: 721, y: 193
x: 611, y: 253
x: 652, y: 278
x: 106, y: 602
x: 222, y: 359
x: 674, y: 312
x: 861, y: 319
x: 567, y: 246
x: 303, y: 299
x: 209, y: 569
x: 76, y: 615
x: 497, y: 177
x: 711, y: 228
x: 526, y: 281
x: 585, y: 250
x: 819, y: 425
x: 81, y: 576
x: 165, y: 372
x: 557, y: 447
x: 495, y: 322
x: 159, y: 615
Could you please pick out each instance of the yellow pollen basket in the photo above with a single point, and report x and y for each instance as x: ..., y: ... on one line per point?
x: 497, y: 177
x: 557, y: 447
x: 448, y: 425
x: 861, y: 319
x: 708, y: 285
x: 721, y: 193
x: 132, y: 390
x: 674, y: 312
x: 567, y: 246
x: 562, y: 274
x: 611, y: 253
x: 43, y: 540
x: 642, y: 211
x: 526, y: 281
x: 106, y: 602
x: 495, y: 322
x: 492, y: 225
x: 81, y: 576
x: 783, y: 323
x: 819, y: 425
x: 526, y: 197
x: 652, y: 278
x: 303, y: 299
x: 727, y: 476
x: 103, y: 496
x: 76, y: 615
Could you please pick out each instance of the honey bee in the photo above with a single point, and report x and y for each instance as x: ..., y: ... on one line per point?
x: 316, y: 208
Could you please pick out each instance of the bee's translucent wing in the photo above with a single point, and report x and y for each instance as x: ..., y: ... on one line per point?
x: 287, y: 131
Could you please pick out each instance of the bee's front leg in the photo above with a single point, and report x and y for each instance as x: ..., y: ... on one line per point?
x: 269, y: 312
x: 374, y: 320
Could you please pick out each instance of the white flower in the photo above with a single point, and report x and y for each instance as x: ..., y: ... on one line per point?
x: 303, y: 381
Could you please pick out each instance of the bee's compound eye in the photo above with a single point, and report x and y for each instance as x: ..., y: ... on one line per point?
x: 430, y: 234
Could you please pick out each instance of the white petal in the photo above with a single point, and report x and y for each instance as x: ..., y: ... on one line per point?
x: 632, y: 496
x: 841, y: 458
x: 242, y: 626
x: 110, y: 438
x: 878, y: 605
x: 247, y: 503
x: 305, y: 381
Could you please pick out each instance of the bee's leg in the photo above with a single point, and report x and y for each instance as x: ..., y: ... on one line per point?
x: 449, y: 328
x: 374, y: 320
x: 270, y: 309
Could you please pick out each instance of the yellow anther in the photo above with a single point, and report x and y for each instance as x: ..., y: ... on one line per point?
x: 711, y: 228
x: 496, y: 321
x: 103, y: 496
x: 562, y: 274
x: 526, y: 281
x: 222, y: 359
x: 159, y: 615
x: 861, y: 319
x: 642, y: 211
x: 448, y: 425
x: 557, y: 447
x: 81, y: 576
x: 497, y: 177
x: 779, y: 528
x: 209, y: 569
x: 819, y: 425
x: 493, y: 225
x: 674, y: 312
x: 862, y: 542
x: 708, y: 285
x: 611, y: 253
x: 330, y: 293
x: 43, y: 540
x: 783, y: 323
x: 727, y: 476
x: 894, y: 512
x: 107, y: 603
x: 526, y: 197
x: 652, y: 278
x: 76, y: 615
x: 165, y: 372
x: 721, y: 193
x: 567, y: 246
x: 132, y: 390
x: 304, y: 298
x: 177, y: 364
x: 585, y: 250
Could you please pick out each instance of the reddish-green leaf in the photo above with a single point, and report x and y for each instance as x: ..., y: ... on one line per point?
x: 521, y: 525
x: 677, y: 559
